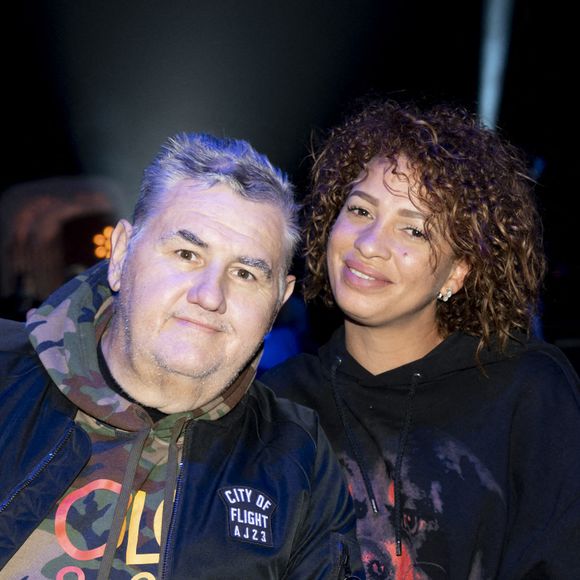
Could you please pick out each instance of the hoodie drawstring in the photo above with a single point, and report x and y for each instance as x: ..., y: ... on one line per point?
x: 399, y: 461
x: 404, y: 436
x: 122, y: 505
x: 351, y: 438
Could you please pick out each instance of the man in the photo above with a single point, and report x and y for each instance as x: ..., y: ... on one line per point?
x: 134, y: 442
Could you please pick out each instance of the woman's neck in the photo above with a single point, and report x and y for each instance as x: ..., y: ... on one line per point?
x: 382, y: 349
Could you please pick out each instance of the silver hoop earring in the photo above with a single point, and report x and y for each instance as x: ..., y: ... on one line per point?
x: 446, y: 296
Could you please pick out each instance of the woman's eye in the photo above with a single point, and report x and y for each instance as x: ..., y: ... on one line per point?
x: 187, y: 255
x: 415, y: 232
x: 359, y: 211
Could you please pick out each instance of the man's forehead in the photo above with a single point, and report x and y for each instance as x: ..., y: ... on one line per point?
x: 214, y: 196
x: 218, y: 209
x: 199, y: 192
x: 218, y: 214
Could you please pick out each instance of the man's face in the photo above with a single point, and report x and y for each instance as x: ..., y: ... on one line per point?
x: 199, y: 286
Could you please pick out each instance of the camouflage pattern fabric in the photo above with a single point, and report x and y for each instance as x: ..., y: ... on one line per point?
x: 65, y: 331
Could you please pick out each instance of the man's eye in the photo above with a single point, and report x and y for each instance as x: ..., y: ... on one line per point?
x: 186, y: 255
x: 245, y: 274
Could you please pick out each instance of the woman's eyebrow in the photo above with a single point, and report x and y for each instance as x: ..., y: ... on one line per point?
x: 373, y: 200
x: 411, y: 213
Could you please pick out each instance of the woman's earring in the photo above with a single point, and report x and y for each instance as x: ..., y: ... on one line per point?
x: 446, y: 296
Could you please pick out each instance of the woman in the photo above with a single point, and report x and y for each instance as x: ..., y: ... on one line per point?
x: 459, y: 435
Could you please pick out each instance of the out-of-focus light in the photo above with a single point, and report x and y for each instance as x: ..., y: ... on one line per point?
x: 102, y: 243
x: 497, y: 21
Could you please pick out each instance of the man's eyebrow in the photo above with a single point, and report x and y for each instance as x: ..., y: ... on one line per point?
x: 188, y: 236
x: 257, y: 263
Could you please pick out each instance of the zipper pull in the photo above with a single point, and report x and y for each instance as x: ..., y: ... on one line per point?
x: 344, y: 571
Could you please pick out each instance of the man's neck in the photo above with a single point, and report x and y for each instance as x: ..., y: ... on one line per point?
x: 152, y: 387
x: 154, y: 413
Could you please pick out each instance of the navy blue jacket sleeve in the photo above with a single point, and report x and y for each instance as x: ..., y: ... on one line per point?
x: 327, y: 546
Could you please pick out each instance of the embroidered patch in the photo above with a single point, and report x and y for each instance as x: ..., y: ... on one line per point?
x: 249, y: 514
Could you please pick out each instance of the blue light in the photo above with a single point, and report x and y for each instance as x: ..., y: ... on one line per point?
x: 497, y: 22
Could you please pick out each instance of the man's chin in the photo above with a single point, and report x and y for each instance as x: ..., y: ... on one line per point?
x: 185, y: 370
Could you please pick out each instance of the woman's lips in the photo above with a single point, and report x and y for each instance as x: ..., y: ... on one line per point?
x: 361, y: 276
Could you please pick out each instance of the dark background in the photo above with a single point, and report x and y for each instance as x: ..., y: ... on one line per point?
x: 92, y: 87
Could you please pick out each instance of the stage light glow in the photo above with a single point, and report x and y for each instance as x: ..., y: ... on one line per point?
x: 497, y: 22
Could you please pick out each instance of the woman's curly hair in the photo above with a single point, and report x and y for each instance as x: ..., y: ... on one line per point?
x: 476, y: 188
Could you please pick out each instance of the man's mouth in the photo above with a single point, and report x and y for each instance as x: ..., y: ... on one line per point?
x: 201, y: 324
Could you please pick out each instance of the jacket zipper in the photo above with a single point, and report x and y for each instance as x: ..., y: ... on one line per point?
x: 38, y: 469
x: 176, y: 499
x: 344, y: 570
x: 171, y: 531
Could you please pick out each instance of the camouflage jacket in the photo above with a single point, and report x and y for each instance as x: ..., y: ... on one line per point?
x: 257, y: 492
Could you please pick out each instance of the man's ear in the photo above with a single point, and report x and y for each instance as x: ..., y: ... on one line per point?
x: 457, y: 276
x: 119, y: 247
x: 290, y: 282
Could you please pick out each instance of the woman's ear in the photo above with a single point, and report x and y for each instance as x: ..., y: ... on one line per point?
x: 459, y: 271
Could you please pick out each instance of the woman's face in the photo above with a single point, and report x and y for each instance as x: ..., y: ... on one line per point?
x: 380, y: 262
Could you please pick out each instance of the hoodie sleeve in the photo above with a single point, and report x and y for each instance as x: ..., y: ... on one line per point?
x: 327, y: 546
x: 543, y: 536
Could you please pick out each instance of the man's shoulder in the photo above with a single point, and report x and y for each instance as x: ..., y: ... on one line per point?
x: 283, y: 421
x: 13, y: 337
x: 302, y: 378
x: 297, y: 370
x: 275, y: 408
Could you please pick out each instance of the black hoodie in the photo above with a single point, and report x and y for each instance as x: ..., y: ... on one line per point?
x: 457, y: 470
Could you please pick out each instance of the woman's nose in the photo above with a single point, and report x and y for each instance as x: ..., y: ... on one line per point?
x: 373, y: 242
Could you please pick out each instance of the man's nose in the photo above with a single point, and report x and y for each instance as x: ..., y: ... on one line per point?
x: 374, y: 242
x: 207, y: 290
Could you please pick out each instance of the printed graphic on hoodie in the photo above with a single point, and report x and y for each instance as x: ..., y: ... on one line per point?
x: 71, y: 541
x: 424, y: 503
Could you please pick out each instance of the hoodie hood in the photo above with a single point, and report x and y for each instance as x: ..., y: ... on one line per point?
x: 455, y: 354
x: 65, y: 331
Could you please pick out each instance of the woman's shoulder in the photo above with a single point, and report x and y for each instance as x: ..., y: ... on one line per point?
x: 538, y: 358
x: 540, y: 375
